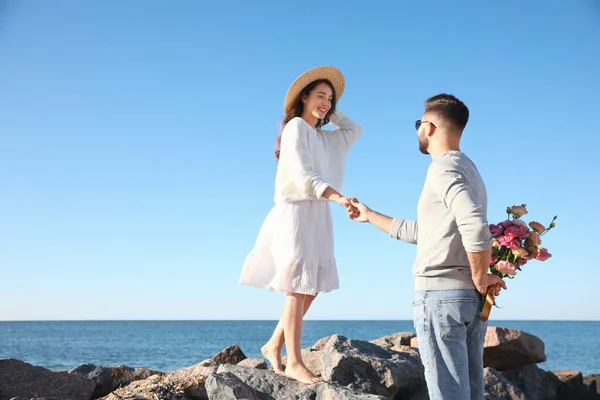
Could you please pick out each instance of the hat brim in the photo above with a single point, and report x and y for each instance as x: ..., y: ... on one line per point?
x: 332, y: 74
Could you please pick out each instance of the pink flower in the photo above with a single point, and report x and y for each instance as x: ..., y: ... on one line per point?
x: 506, y: 224
x: 520, y: 252
x: 543, y: 255
x: 521, y: 262
x: 518, y: 211
x: 509, y: 241
x: 536, y: 226
x: 516, y: 231
x: 493, y: 261
x: 521, y: 224
x: 496, y: 230
x: 506, y: 268
x: 534, y: 238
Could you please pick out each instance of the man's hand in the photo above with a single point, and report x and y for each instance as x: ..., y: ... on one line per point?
x: 359, y: 211
x: 484, y: 282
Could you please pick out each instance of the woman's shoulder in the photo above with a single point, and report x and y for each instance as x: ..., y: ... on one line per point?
x: 296, y: 124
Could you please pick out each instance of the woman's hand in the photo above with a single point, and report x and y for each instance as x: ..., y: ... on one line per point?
x: 347, y: 203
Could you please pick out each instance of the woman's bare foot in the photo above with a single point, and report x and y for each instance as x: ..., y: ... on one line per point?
x: 273, y: 354
x: 300, y: 373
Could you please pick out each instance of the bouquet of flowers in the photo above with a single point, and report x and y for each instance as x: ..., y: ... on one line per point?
x: 515, y: 244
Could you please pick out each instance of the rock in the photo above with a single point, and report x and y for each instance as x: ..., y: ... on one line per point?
x: 273, y: 386
x: 571, y: 386
x: 368, y: 368
x: 227, y: 386
x: 155, y: 387
x: 258, y: 363
x: 18, y: 378
x: 312, y: 355
x: 193, y: 378
x: 182, y: 384
x: 535, y: 383
x: 231, y: 355
x: 497, y: 387
x: 510, y: 348
x: 592, y: 382
x: 328, y: 391
x: 414, y: 342
x: 264, y: 381
x: 396, y: 340
x: 36, y: 398
x: 112, y: 378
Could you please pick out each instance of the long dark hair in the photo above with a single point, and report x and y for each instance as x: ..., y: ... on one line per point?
x: 298, y: 109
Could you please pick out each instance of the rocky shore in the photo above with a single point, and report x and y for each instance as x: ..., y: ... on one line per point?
x: 386, y: 368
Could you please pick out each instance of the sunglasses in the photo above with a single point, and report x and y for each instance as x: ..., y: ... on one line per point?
x: 419, y: 122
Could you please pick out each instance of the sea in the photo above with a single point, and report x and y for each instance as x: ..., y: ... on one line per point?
x: 170, y: 345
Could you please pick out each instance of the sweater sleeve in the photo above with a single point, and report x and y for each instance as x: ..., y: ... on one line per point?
x: 404, y: 230
x: 347, y: 131
x: 457, y: 196
x: 296, y: 154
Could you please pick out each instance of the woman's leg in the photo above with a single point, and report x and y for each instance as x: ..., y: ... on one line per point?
x: 292, y: 327
x: 272, y: 349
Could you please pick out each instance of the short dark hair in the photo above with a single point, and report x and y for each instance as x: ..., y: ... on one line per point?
x: 450, y: 108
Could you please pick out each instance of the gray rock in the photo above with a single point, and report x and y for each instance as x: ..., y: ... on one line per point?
x: 497, y: 387
x: 274, y: 386
x: 510, y: 348
x: 329, y: 391
x: 227, y: 386
x: 111, y: 378
x: 264, y: 381
x: 535, y: 383
x: 368, y: 368
x: 257, y: 363
x: 231, y: 355
x: 18, y: 378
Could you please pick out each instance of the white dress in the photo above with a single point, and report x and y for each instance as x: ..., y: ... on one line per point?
x: 294, y: 250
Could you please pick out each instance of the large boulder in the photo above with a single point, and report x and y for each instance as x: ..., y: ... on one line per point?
x: 259, y: 384
x: 534, y: 382
x: 108, y: 379
x: 369, y: 368
x: 510, y: 348
x: 20, y: 379
x: 227, y: 386
x: 366, y: 367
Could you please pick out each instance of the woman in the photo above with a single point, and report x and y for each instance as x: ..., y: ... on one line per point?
x: 294, y: 251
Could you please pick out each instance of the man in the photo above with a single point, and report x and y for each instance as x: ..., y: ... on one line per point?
x: 453, y: 255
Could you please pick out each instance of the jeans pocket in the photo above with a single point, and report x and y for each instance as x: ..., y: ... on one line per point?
x: 455, y: 315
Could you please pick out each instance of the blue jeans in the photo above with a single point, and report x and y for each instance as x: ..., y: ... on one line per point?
x: 451, y: 338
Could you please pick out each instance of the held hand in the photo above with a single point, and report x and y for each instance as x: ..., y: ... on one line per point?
x: 484, y: 283
x: 360, y: 211
x: 347, y: 202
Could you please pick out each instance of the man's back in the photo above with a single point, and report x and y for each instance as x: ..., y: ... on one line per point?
x: 452, y: 219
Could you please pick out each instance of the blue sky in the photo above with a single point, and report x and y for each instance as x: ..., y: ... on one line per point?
x: 136, y: 147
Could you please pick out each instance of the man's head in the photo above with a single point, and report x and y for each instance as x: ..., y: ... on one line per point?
x: 442, y: 124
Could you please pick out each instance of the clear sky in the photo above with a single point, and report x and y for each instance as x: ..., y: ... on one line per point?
x: 136, y: 147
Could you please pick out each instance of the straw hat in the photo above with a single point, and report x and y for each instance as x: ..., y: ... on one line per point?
x: 332, y: 74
